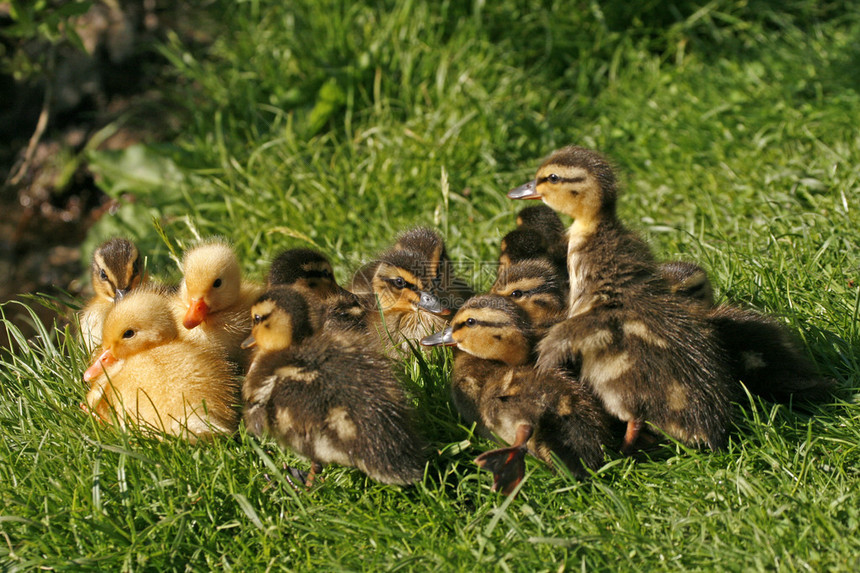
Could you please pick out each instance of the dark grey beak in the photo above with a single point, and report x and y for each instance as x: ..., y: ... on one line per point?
x: 431, y: 303
x: 442, y: 338
x: 248, y: 342
x: 119, y: 293
x: 526, y: 191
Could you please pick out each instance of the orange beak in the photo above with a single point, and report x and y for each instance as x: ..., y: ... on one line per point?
x: 98, y: 367
x: 197, y: 312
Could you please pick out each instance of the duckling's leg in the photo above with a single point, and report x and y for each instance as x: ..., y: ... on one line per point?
x: 507, y: 464
x: 316, y: 468
x: 634, y: 427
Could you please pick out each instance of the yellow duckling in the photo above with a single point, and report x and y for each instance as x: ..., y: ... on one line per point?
x: 115, y: 271
x: 496, y: 386
x: 149, y: 376
x: 214, y: 301
x: 649, y: 355
x: 326, y: 395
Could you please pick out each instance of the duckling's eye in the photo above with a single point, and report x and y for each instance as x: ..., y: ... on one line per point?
x: 258, y: 319
x: 517, y: 294
x: 553, y: 178
x: 217, y: 283
x: 128, y: 333
x: 399, y: 282
x: 471, y: 322
x: 103, y: 275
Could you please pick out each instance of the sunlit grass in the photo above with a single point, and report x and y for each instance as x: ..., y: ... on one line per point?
x: 337, y: 125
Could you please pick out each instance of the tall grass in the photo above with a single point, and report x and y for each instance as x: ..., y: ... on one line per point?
x: 338, y: 124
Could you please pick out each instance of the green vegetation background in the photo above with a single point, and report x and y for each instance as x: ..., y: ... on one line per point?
x: 734, y: 124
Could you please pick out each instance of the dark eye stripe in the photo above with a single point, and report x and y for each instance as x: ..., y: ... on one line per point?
x: 563, y: 180
x: 479, y: 323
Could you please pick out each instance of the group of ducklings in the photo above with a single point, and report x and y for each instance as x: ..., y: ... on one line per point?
x: 582, y: 332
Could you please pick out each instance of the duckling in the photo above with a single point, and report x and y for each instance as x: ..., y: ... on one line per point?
x: 536, y: 287
x: 544, y: 220
x: 150, y: 376
x: 522, y: 245
x: 326, y: 395
x: 402, y: 287
x: 762, y: 352
x: 690, y: 281
x: 648, y: 354
x: 213, y: 300
x: 496, y: 386
x: 451, y: 290
x: 310, y: 272
x: 115, y: 271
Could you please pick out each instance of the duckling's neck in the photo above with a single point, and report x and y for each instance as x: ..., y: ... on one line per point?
x: 581, y: 237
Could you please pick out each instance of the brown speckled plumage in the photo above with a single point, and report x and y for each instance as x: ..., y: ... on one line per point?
x: 326, y: 396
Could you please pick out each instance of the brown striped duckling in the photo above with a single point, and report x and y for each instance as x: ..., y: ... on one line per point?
x: 214, y: 300
x: 536, y: 287
x: 115, y: 271
x: 398, y: 282
x: 311, y: 272
x: 451, y: 290
x: 763, y: 353
x: 496, y: 386
x: 148, y: 375
x: 544, y: 220
x: 325, y: 395
x: 649, y: 355
x: 522, y: 245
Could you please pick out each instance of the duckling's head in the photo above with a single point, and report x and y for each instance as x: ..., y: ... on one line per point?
x: 522, y: 245
x: 115, y: 269
x: 281, y: 317
x: 689, y: 280
x: 211, y: 282
x: 403, y: 282
x: 304, y: 268
x: 536, y: 287
x: 542, y: 219
x: 490, y: 327
x: 575, y: 181
x: 427, y: 243
x: 140, y: 321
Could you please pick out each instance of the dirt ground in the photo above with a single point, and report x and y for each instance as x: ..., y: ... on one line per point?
x: 48, y: 198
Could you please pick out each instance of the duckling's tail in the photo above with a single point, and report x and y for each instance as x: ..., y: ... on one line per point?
x: 507, y: 464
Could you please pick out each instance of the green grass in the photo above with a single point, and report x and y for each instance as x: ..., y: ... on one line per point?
x: 734, y: 127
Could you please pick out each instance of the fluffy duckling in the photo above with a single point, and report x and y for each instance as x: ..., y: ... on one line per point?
x: 536, y: 287
x: 690, y: 281
x: 403, y: 289
x: 150, y: 376
x: 496, y: 386
x: 544, y: 220
x: 522, y: 245
x: 115, y: 271
x: 451, y: 290
x: 649, y: 355
x: 214, y: 300
x: 310, y: 272
x: 762, y: 351
x: 325, y: 395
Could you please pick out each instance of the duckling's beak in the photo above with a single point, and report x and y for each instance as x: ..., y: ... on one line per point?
x: 249, y: 342
x: 197, y: 312
x: 442, y: 338
x: 431, y: 303
x: 98, y: 367
x: 526, y: 191
x: 119, y: 293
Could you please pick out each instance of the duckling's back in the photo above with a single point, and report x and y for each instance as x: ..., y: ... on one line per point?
x: 334, y: 401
